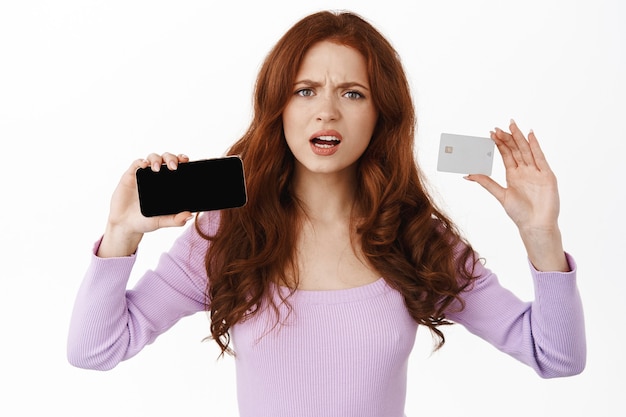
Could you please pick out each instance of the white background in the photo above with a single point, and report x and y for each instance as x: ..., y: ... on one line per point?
x: 88, y: 86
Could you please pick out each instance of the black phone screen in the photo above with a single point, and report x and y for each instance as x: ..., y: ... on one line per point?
x: 209, y: 184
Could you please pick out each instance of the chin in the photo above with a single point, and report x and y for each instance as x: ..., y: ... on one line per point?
x: 326, y: 168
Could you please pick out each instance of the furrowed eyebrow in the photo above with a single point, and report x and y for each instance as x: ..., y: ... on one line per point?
x: 353, y: 84
x: 350, y: 84
x: 309, y: 83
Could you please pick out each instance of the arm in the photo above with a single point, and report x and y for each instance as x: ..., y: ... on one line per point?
x: 110, y: 324
x: 126, y: 225
x: 550, y: 331
x: 531, y: 198
x: 547, y: 334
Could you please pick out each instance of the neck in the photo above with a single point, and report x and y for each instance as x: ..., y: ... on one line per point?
x: 326, y: 197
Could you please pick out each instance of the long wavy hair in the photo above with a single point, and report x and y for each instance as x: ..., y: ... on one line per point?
x: 411, y: 243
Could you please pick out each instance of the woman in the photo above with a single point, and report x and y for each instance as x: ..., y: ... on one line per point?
x: 323, y: 277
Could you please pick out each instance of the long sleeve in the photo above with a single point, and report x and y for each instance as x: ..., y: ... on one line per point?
x: 547, y: 334
x: 110, y: 324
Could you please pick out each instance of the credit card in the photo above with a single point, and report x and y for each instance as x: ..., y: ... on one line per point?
x: 463, y: 154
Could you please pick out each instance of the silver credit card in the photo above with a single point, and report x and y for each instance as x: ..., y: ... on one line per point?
x: 465, y: 154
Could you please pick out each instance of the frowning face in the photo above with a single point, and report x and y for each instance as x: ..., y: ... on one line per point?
x: 330, y: 118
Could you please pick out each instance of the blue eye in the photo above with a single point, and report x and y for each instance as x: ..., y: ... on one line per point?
x: 354, y: 95
x: 305, y: 92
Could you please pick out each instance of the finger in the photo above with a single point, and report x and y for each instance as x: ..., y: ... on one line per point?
x: 175, y: 220
x: 155, y: 161
x: 505, y: 151
x: 488, y: 184
x: 132, y: 169
x: 170, y: 160
x: 508, y: 144
x: 181, y: 219
x: 522, y: 143
x: 540, y: 158
x: 136, y: 164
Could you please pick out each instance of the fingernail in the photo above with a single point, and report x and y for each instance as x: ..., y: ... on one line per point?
x: 512, y: 122
x: 171, y: 165
x: 156, y: 166
x: 467, y: 177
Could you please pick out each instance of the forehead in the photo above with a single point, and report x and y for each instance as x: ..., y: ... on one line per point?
x: 324, y: 58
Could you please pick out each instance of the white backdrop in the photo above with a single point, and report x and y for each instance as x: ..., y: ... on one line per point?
x: 88, y: 86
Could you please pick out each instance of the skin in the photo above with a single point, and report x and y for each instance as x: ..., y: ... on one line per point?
x: 331, y: 94
x: 126, y: 225
x: 328, y: 257
x: 531, y: 197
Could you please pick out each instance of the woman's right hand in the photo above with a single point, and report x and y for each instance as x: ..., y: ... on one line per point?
x: 126, y: 225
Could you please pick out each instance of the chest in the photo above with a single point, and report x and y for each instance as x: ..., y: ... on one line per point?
x: 359, y: 334
x: 335, y: 353
x: 328, y: 258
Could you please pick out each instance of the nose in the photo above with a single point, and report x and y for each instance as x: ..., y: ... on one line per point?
x: 328, y: 109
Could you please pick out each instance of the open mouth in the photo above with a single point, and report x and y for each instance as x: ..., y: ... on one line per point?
x: 325, y: 142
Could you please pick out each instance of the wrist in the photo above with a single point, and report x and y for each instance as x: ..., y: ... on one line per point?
x: 118, y: 242
x: 545, y: 249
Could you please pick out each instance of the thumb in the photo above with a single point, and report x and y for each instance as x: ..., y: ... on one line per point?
x: 488, y: 184
x: 175, y: 220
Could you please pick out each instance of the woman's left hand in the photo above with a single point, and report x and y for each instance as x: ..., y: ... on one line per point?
x: 531, y: 197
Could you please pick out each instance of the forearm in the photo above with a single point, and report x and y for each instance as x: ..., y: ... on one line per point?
x: 558, y: 324
x: 547, y: 334
x: 98, y: 334
x: 110, y: 323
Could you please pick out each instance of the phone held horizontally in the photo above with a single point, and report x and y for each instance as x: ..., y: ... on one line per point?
x: 204, y: 185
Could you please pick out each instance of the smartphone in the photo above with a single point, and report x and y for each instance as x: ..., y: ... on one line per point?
x: 465, y: 154
x: 204, y: 185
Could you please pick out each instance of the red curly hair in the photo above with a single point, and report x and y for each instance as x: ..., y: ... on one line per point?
x: 410, y: 242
